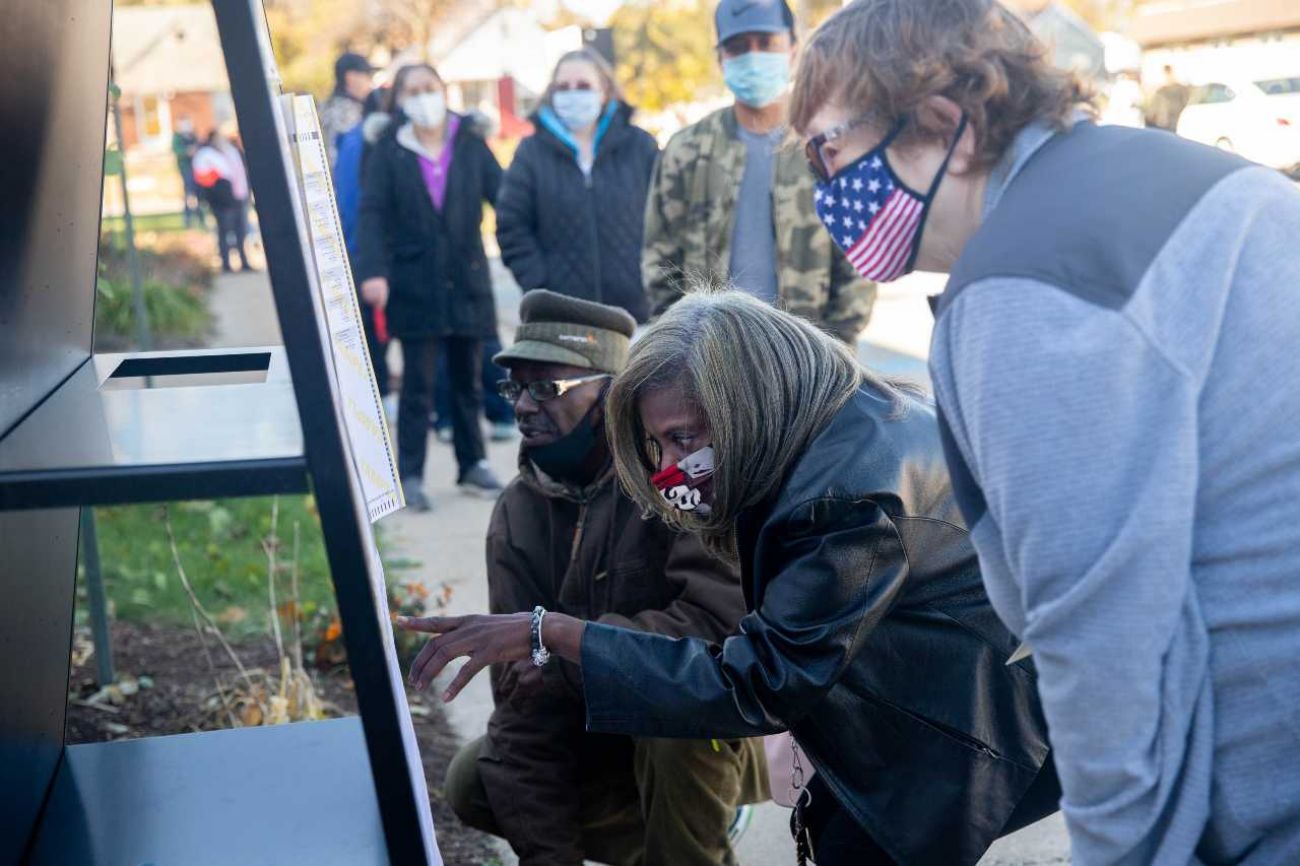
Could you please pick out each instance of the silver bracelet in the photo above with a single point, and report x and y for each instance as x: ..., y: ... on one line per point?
x: 541, y: 655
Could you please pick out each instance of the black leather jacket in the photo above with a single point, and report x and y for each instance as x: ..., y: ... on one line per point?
x: 870, y: 637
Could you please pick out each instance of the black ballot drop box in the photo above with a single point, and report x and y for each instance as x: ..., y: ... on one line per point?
x: 79, y: 429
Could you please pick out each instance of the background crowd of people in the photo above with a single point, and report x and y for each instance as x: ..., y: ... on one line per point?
x: 587, y: 208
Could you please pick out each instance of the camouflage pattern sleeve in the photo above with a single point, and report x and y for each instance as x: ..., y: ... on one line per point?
x: 338, y: 114
x: 662, y: 255
x: 848, y: 307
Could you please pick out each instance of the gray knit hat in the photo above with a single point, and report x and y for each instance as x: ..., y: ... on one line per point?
x: 557, y: 329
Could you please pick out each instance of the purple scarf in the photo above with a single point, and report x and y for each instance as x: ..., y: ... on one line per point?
x: 435, y: 172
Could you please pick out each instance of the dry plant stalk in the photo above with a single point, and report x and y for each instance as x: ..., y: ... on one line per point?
x: 197, y: 606
x: 297, y: 601
x: 264, y: 699
x: 270, y: 545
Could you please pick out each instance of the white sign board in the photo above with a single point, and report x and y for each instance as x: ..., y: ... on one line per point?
x: 363, y: 410
x: 357, y: 408
x: 356, y: 396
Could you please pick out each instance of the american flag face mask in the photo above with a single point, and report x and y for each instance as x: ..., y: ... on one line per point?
x: 680, y: 483
x: 873, y: 216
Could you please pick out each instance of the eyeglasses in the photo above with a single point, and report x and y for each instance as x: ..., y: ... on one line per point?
x: 813, y: 149
x: 544, y: 389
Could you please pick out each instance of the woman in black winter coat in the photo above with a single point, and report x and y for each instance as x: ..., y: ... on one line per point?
x: 421, y: 257
x: 572, y: 211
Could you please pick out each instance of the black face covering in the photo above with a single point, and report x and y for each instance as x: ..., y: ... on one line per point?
x: 566, y: 457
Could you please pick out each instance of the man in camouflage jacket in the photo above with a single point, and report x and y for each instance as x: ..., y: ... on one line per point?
x: 692, y: 209
x: 346, y: 105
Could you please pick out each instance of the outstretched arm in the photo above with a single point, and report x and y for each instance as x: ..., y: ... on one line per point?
x: 486, y: 640
x: 843, y: 568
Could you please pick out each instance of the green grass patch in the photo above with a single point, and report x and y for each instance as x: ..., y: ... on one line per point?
x: 154, y: 222
x: 221, y: 546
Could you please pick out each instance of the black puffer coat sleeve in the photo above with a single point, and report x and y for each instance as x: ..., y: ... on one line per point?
x: 521, y: 248
x: 492, y: 174
x: 376, y: 207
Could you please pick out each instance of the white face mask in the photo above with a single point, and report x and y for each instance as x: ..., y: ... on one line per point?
x: 426, y: 109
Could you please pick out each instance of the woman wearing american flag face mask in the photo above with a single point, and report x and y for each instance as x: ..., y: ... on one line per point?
x: 1124, y: 462
x: 572, y: 210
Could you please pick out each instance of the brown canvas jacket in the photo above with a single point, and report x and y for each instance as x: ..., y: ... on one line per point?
x: 588, y: 553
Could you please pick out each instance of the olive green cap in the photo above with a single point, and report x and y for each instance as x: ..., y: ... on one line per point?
x: 557, y: 329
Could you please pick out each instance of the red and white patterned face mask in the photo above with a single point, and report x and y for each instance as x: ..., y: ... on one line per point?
x: 680, y: 485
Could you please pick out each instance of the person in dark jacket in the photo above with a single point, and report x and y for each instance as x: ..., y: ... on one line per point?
x: 346, y: 106
x: 572, y: 211
x: 221, y: 173
x: 421, y: 259
x: 185, y: 143
x: 869, y: 635
x: 564, y: 535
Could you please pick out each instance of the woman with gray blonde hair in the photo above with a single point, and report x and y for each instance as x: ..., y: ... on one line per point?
x: 868, y: 635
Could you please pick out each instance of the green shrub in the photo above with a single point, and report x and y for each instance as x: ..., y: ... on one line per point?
x: 176, y: 283
x: 221, y: 546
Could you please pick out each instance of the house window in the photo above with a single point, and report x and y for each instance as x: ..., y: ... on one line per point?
x: 153, y: 122
x: 150, y: 120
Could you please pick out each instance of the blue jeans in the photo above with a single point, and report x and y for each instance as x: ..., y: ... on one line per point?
x: 495, y: 408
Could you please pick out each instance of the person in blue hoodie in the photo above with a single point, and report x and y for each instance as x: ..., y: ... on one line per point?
x: 351, y: 148
x: 571, y: 215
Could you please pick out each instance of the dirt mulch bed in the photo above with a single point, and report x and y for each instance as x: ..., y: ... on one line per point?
x: 174, y: 694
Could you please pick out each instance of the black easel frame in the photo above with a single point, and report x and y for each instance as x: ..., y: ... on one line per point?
x: 336, y: 792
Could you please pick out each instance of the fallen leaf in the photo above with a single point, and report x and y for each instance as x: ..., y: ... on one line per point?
x: 232, y: 615
x: 250, y: 715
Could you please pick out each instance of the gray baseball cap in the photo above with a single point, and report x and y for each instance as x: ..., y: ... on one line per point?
x: 752, y: 16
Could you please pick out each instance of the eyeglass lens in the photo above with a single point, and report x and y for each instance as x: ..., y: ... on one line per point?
x: 541, y: 390
x: 813, y: 153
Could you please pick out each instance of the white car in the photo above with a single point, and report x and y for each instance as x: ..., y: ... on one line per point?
x: 1257, y: 118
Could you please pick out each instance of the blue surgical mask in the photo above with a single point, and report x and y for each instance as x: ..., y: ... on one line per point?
x: 427, y: 110
x: 577, y: 109
x: 757, y: 78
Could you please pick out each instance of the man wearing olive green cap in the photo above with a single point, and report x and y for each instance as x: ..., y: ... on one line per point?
x: 565, y: 537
